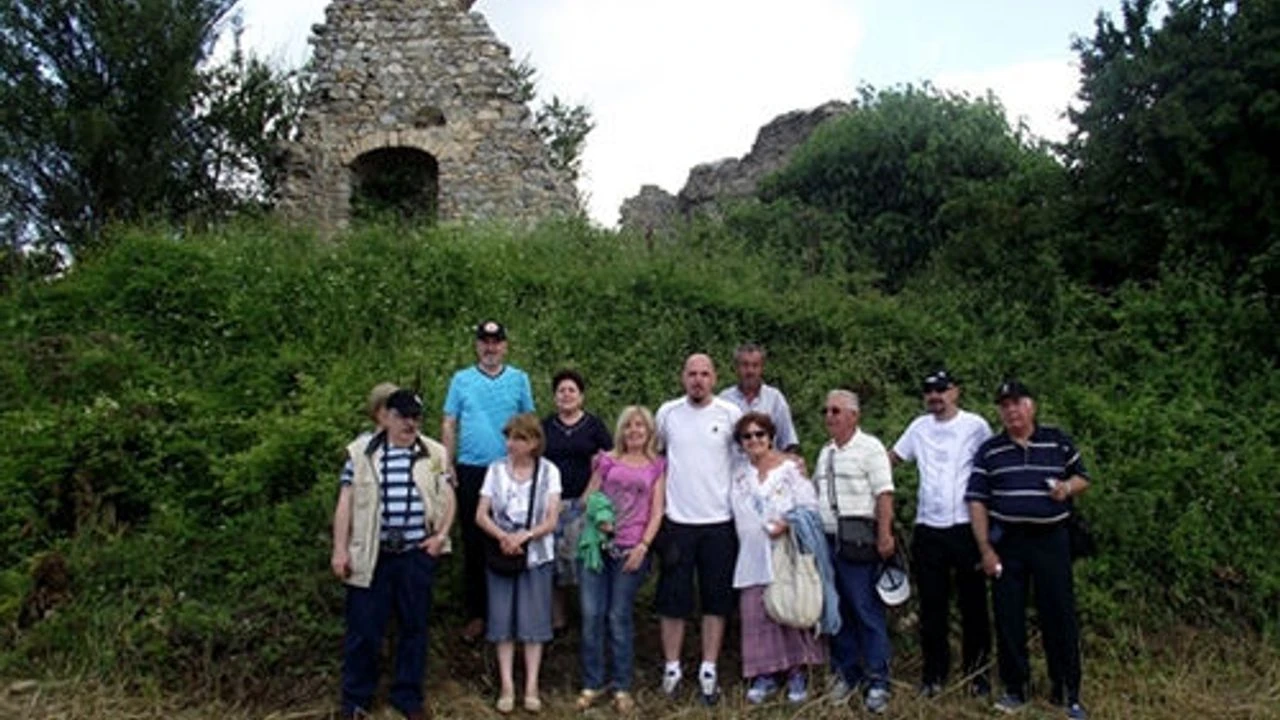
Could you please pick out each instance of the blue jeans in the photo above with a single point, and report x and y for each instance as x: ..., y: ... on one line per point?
x: 608, y: 602
x: 402, y: 583
x: 860, y: 651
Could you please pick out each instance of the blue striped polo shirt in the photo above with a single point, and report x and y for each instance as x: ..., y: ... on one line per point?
x: 401, y: 505
x: 1012, y: 479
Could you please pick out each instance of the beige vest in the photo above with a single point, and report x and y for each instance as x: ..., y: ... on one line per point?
x: 430, y: 476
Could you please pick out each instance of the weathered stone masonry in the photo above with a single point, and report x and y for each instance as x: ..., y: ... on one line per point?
x: 420, y: 83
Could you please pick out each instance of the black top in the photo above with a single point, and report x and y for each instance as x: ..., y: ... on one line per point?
x: 1010, y: 479
x: 571, y: 448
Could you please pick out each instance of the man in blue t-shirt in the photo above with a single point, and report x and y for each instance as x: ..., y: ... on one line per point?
x: 1019, y: 498
x: 480, y: 400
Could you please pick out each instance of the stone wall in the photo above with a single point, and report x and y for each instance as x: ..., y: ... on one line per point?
x: 425, y: 75
x: 656, y: 211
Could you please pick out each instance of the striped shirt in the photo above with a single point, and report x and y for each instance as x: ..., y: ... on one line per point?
x: 401, y: 505
x: 858, y: 472
x: 1013, y: 480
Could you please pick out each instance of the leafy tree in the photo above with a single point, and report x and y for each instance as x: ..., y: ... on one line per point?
x: 563, y: 127
x: 1174, y: 155
x: 249, y: 110
x: 889, y: 168
x: 108, y: 113
x: 96, y: 109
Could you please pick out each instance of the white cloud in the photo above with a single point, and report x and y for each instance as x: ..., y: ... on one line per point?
x: 1036, y: 92
x: 674, y: 83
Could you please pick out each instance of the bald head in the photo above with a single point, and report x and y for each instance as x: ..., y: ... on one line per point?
x: 699, y: 378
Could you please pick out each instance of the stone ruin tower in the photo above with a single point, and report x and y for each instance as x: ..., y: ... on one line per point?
x: 416, y: 99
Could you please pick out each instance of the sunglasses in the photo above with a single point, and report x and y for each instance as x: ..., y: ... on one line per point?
x: 832, y: 410
x: 753, y: 435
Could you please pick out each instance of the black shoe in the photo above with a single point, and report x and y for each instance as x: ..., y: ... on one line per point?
x: 980, y: 687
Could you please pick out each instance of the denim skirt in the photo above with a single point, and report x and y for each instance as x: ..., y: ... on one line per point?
x: 520, y: 606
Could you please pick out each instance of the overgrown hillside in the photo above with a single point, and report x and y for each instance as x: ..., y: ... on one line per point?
x: 175, y: 411
x: 174, y: 403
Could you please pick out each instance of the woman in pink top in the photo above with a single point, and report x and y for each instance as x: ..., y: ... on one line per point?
x: 633, y: 477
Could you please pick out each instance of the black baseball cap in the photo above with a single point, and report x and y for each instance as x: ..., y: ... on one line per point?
x: 1012, y: 390
x: 406, y: 403
x: 491, y: 330
x: 938, y: 380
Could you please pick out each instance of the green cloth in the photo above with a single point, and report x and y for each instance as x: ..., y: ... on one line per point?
x: 591, y: 542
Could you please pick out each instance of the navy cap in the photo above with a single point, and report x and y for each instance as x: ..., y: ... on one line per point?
x: 406, y: 403
x: 1012, y: 390
x: 938, y: 380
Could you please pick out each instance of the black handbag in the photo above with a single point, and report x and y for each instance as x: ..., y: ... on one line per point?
x: 1079, y: 537
x: 855, y: 536
x: 511, y: 565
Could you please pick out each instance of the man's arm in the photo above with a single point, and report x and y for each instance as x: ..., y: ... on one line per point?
x: 884, y: 522
x: 340, y: 561
x: 434, y: 543
x: 1072, y: 486
x: 449, y: 438
x: 894, y: 460
x: 982, y: 535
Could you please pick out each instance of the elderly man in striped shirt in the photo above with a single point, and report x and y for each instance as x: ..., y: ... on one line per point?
x: 390, y: 527
x: 1019, y: 502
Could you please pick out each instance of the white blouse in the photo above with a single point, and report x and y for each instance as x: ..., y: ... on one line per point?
x: 756, y: 503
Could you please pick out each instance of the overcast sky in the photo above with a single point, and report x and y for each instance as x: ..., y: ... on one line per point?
x: 675, y: 83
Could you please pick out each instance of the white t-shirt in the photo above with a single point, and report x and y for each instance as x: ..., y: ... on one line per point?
x: 700, y: 458
x: 509, y: 503
x: 943, y: 454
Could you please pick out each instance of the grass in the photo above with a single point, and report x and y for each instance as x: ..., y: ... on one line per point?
x: 1177, y: 673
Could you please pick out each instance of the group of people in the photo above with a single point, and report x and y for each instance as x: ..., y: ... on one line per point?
x: 704, y: 490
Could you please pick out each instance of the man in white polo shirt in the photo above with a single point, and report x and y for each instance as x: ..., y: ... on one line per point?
x: 941, y: 443
x: 696, y: 432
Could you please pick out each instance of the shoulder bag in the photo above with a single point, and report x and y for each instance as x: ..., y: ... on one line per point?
x: 794, y: 598
x: 511, y: 565
x: 855, y: 536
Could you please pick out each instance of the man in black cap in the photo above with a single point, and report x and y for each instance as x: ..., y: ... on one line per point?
x: 1020, y: 499
x: 942, y: 443
x: 391, y: 526
x: 480, y: 401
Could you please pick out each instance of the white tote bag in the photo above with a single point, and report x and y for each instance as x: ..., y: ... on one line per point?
x: 794, y: 598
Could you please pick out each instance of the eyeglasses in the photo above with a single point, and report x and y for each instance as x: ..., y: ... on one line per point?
x: 832, y: 410
x: 753, y: 435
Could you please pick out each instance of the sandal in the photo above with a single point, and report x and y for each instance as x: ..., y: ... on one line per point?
x: 623, y: 702
x: 587, y: 698
x: 532, y: 703
x: 506, y: 704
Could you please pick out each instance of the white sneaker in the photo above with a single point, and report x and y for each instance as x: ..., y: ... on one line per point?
x: 838, y: 692
x: 709, y: 687
x: 877, y: 700
x: 671, y: 681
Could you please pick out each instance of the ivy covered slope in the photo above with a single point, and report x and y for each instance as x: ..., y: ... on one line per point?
x: 175, y: 412
x: 174, y: 404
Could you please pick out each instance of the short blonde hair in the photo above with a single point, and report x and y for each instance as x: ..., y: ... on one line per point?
x: 528, y: 427
x: 624, y: 417
x: 378, y: 399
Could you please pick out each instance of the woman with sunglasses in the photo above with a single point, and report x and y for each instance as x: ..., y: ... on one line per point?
x: 764, y: 490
